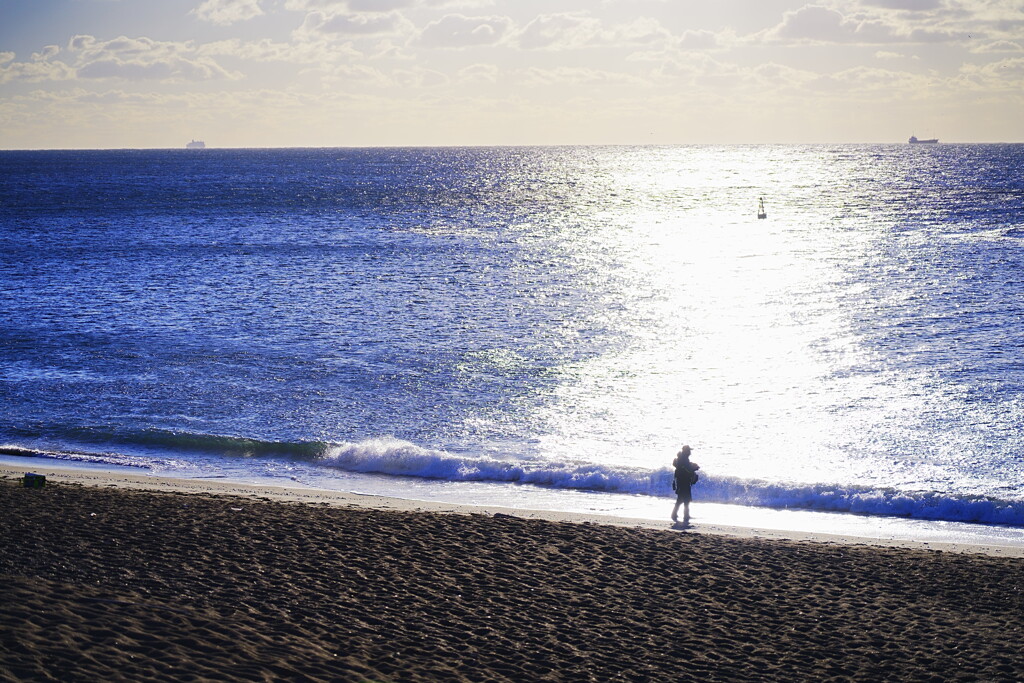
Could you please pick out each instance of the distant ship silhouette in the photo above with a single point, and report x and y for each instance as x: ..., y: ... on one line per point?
x: 196, y: 144
x: 914, y: 141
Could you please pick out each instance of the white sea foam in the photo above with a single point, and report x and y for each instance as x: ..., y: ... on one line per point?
x: 397, y: 457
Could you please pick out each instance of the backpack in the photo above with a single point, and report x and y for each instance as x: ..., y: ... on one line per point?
x: 693, y: 480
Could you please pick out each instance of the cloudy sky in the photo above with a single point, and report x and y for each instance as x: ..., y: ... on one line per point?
x: 281, y: 73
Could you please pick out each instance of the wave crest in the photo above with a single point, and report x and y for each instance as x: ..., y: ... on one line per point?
x: 396, y: 457
x: 392, y: 456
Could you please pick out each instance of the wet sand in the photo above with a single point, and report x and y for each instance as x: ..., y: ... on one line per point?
x: 110, y: 581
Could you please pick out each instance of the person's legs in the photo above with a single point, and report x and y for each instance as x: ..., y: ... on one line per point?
x: 686, y: 512
x: 675, y: 510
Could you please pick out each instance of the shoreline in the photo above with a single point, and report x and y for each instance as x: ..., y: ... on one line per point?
x: 94, y: 476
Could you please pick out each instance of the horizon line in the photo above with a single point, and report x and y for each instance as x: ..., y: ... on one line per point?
x: 495, y: 145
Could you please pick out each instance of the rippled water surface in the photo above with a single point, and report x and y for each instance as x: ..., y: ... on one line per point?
x: 557, y: 316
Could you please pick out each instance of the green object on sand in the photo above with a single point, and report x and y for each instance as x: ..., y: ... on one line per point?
x: 34, y: 481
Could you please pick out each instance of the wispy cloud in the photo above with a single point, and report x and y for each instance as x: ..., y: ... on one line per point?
x: 458, y: 31
x: 42, y: 67
x: 143, y: 59
x: 349, y: 24
x: 818, y: 24
x: 228, y: 11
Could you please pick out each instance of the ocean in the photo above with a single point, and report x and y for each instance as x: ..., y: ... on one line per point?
x: 531, y: 326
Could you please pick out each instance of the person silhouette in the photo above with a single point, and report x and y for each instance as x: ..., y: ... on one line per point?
x: 685, y: 476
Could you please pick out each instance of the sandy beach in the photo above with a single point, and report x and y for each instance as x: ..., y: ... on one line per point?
x: 107, y: 578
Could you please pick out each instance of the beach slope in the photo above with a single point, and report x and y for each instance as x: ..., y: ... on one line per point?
x: 111, y: 583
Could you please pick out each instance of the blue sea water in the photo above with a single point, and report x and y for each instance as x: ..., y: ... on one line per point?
x: 529, y: 324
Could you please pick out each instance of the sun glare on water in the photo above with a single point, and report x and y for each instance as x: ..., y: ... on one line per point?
x: 728, y: 331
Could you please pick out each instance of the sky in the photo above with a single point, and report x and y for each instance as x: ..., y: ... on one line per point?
x: 326, y: 73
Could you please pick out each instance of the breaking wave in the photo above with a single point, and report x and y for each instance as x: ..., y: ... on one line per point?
x: 391, y: 456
